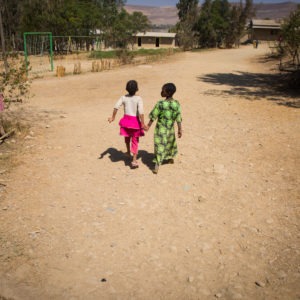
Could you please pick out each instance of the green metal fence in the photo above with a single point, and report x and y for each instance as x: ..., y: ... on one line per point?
x: 38, y: 50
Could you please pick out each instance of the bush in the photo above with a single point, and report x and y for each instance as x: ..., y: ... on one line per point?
x: 125, y: 56
x: 103, y: 54
x: 14, y: 84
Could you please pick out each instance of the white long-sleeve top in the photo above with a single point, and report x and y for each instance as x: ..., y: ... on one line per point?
x: 133, y: 105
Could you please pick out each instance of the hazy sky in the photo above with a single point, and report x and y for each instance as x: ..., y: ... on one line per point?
x: 173, y: 2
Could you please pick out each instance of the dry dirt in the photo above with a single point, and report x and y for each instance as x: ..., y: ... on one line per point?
x: 222, y: 222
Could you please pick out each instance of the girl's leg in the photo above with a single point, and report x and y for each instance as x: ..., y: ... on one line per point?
x: 134, y: 147
x: 127, y: 142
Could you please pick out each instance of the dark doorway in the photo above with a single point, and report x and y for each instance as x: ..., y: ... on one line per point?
x: 157, y: 42
x: 140, y: 42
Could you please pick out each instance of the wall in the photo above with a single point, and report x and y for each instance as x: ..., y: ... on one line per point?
x: 265, y: 34
x: 150, y: 42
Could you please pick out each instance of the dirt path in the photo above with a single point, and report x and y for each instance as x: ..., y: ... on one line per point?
x: 222, y: 222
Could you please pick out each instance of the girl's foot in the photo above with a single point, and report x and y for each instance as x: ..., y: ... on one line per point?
x: 127, y: 154
x: 155, y: 170
x: 134, y: 165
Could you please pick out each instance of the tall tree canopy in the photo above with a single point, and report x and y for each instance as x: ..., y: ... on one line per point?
x: 70, y: 17
x: 291, y: 36
x: 222, y: 23
x: 187, y: 13
x: 218, y: 22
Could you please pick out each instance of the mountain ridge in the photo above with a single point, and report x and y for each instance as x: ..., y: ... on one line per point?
x: 167, y: 15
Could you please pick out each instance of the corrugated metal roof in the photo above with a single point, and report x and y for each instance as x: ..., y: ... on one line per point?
x: 156, y: 34
x: 269, y: 24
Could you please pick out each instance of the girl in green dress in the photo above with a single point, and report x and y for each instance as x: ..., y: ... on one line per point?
x: 166, y: 111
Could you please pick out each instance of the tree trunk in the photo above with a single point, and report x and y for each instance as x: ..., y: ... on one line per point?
x: 3, y: 44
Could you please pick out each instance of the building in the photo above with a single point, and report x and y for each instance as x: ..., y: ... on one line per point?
x: 264, y: 30
x: 150, y: 40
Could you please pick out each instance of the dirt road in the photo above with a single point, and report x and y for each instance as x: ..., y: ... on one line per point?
x: 222, y: 222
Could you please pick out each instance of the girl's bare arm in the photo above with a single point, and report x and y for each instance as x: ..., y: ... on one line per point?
x: 142, y: 121
x: 179, y: 129
x: 112, y: 118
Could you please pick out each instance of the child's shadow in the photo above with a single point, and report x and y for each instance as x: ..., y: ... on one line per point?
x: 116, y: 155
x: 146, y: 158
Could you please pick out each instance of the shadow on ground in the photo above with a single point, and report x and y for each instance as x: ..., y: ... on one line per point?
x: 253, y: 86
x: 146, y: 158
x: 117, y: 155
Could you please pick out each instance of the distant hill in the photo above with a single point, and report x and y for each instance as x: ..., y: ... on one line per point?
x: 167, y: 15
x: 163, y: 15
x: 274, y: 10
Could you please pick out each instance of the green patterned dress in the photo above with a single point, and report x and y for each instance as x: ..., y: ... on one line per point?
x: 166, y: 112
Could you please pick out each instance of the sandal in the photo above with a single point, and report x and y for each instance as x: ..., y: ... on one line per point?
x: 134, y: 165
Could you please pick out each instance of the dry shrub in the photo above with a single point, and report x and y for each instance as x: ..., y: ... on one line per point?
x: 14, y: 83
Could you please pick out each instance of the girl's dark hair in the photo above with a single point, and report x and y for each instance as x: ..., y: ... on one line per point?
x: 169, y: 89
x: 131, y: 87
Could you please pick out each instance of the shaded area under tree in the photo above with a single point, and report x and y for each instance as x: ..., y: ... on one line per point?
x: 254, y: 86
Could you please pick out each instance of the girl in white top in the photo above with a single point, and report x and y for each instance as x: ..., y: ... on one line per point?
x: 132, y: 123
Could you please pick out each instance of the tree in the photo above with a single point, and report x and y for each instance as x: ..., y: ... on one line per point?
x: 239, y: 15
x: 213, y: 23
x: 291, y: 36
x: 290, y: 47
x: 71, y: 18
x: 206, y: 33
x: 76, y: 18
x: 187, y: 13
x: 2, y: 37
x: 13, y: 82
x: 220, y: 19
x: 138, y: 22
x: 221, y: 23
x: 10, y: 19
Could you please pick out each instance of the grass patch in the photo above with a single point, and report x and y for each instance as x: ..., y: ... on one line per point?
x: 135, y: 53
x: 150, y: 52
x: 103, y: 54
x: 203, y: 49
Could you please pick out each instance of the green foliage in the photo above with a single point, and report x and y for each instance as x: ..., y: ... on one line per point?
x: 188, y: 14
x: 218, y: 23
x: 72, y: 18
x: 205, y: 26
x: 150, y: 52
x: 120, y: 34
x: 239, y: 14
x: 186, y: 8
x: 289, y: 49
x: 125, y: 56
x: 291, y: 36
x: 118, y: 53
x: 213, y: 22
x: 103, y: 54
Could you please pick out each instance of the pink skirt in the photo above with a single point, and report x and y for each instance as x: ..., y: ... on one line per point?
x: 131, y: 126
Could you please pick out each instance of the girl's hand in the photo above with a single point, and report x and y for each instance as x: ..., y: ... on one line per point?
x: 145, y: 127
x: 111, y: 119
x: 179, y: 133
